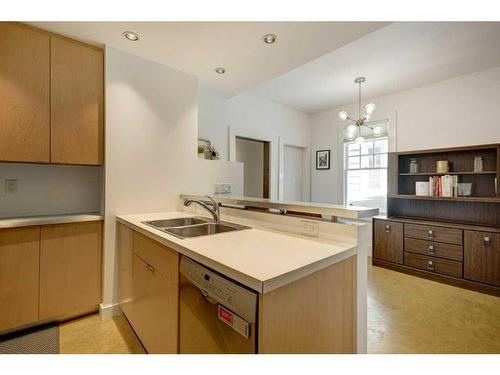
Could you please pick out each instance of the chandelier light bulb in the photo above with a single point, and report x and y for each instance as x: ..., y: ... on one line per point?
x: 366, y: 116
x: 377, y: 131
x: 369, y: 108
x: 342, y: 115
x: 351, y: 131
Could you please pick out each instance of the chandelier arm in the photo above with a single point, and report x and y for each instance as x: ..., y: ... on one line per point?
x: 359, y: 100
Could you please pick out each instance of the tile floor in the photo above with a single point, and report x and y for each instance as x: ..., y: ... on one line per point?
x: 406, y: 314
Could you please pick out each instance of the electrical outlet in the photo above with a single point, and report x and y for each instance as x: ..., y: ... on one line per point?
x: 223, y: 188
x: 10, y: 186
x: 309, y: 228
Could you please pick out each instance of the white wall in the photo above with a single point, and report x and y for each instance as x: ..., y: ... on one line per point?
x: 50, y: 189
x: 457, y: 112
x: 251, y: 154
x: 259, y: 116
x: 151, y: 132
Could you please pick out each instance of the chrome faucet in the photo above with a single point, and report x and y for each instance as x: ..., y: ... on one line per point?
x: 213, y: 208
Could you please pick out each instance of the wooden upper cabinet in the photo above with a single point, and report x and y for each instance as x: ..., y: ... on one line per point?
x: 19, y: 267
x: 76, y: 103
x: 70, y: 269
x: 24, y: 94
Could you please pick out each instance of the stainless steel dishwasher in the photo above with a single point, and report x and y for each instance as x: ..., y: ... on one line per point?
x: 216, y: 314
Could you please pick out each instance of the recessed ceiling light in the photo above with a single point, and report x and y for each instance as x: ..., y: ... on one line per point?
x: 130, y: 35
x: 220, y: 70
x: 269, y: 38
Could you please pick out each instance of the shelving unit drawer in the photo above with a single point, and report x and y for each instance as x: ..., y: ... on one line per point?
x: 439, y: 234
x: 432, y: 264
x: 435, y: 249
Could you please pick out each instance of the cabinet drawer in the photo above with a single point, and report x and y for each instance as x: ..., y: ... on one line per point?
x: 436, y: 249
x: 160, y: 257
x: 482, y: 257
x: 432, y: 264
x: 388, y: 241
x: 440, y: 234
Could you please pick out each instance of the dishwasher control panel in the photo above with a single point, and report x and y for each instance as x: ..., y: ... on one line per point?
x: 235, y: 297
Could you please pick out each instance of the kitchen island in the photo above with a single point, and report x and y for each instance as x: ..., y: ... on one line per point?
x: 310, y: 290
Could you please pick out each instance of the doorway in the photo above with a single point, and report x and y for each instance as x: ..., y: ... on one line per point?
x: 294, y: 179
x: 254, y: 154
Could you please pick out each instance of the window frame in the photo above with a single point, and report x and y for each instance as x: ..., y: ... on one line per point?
x: 346, y: 158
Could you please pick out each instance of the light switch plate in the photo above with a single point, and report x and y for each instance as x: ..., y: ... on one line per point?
x: 10, y: 186
x: 309, y: 228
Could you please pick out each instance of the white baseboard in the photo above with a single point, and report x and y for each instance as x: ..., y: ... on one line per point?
x: 108, y: 311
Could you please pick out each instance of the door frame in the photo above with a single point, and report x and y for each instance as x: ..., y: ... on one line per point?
x: 262, y: 137
x: 306, y: 183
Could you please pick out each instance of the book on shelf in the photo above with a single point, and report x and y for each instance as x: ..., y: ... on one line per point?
x: 443, y: 186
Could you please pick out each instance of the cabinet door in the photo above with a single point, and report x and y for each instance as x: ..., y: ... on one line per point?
x: 76, y: 103
x: 70, y: 269
x: 153, y: 312
x: 125, y: 261
x: 482, y: 257
x: 24, y: 93
x: 388, y: 241
x: 19, y: 256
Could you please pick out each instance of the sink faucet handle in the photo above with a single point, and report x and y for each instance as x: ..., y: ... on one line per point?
x: 215, y: 206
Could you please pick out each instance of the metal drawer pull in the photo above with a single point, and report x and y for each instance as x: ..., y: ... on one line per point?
x: 387, y: 228
x: 430, y: 265
x: 430, y: 250
x: 487, y: 240
x: 430, y: 233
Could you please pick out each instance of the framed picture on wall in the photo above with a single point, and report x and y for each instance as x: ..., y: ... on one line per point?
x: 323, y: 159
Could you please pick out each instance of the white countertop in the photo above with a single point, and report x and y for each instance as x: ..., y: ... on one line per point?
x: 259, y: 259
x: 338, y: 210
x: 27, y: 221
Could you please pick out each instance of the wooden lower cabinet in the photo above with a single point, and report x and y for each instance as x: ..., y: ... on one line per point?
x: 124, y: 238
x: 19, y: 267
x: 459, y: 254
x: 482, y: 257
x: 388, y: 241
x: 148, y: 290
x: 154, y: 309
x: 291, y: 322
x: 70, y: 269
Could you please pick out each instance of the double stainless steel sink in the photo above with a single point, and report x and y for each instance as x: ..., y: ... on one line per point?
x: 187, y: 227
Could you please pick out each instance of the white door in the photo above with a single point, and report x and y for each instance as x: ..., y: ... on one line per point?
x: 251, y: 154
x: 293, y: 173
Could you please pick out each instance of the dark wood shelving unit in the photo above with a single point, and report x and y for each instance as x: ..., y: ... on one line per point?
x: 456, y: 199
x: 455, y: 240
x: 480, y: 207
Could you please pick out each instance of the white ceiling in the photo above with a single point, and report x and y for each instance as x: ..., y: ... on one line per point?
x: 397, y: 57
x: 199, y: 47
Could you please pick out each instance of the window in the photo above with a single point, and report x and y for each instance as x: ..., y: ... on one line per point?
x: 366, y: 173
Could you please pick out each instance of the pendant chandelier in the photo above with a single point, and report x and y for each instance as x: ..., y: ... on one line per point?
x: 353, y: 132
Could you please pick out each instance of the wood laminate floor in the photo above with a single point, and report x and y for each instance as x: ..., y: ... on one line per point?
x: 406, y: 314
